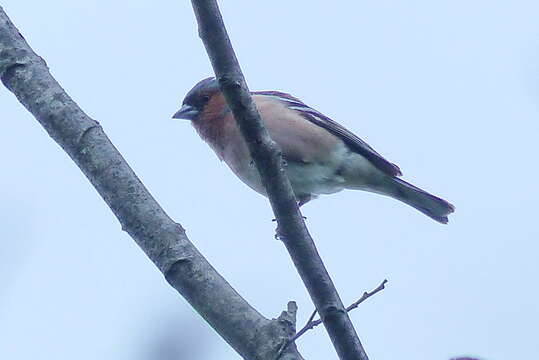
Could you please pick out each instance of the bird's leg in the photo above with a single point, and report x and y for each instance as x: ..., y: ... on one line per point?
x: 304, y: 199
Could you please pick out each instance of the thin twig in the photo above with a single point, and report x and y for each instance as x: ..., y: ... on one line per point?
x: 311, y: 323
x: 367, y: 295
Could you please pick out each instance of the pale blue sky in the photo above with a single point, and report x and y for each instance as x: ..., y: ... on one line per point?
x: 448, y: 90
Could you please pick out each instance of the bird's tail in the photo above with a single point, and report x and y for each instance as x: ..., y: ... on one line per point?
x: 428, y: 204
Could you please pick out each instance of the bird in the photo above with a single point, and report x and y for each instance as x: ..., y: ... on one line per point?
x: 320, y: 155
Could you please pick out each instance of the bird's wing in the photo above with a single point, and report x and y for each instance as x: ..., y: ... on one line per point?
x: 353, y: 141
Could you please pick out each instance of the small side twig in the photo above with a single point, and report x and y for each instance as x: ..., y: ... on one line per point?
x: 311, y: 323
x: 367, y: 295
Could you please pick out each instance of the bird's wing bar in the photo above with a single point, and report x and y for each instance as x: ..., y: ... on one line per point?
x: 353, y: 141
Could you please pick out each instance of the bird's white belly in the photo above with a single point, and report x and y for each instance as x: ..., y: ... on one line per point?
x: 314, y: 179
x: 305, y: 178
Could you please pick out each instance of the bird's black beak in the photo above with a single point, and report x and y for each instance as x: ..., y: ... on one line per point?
x: 186, y: 112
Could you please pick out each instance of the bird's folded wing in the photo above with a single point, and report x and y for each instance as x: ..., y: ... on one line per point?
x: 353, y: 141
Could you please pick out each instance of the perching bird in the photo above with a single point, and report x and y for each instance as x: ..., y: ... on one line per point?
x: 322, y: 157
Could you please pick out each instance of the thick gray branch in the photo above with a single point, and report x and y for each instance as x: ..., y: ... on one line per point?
x: 267, y: 157
x: 163, y: 240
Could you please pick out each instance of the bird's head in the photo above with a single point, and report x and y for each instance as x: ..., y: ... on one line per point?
x: 195, y: 100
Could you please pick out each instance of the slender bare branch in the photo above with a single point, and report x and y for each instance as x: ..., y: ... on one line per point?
x: 268, y: 160
x: 367, y: 295
x: 311, y: 323
x: 164, y: 241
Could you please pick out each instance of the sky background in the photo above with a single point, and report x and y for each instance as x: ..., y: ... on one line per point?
x: 448, y: 90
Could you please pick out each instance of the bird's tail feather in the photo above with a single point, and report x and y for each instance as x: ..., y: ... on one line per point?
x: 428, y: 204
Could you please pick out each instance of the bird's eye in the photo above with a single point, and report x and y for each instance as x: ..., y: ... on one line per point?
x: 206, y: 98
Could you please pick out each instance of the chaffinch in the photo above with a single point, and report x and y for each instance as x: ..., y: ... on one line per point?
x: 322, y: 157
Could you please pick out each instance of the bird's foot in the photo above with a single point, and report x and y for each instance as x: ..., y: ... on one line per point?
x: 278, y: 234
